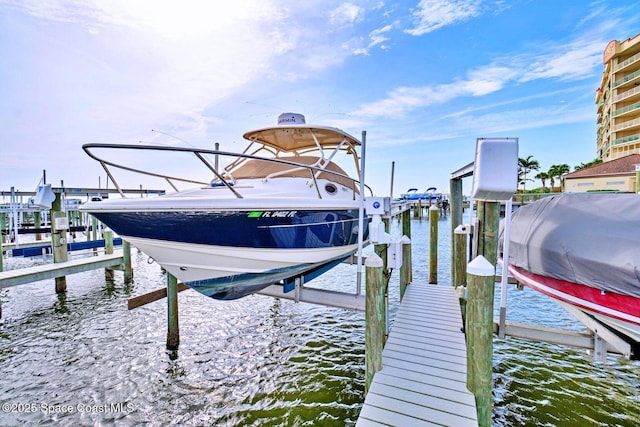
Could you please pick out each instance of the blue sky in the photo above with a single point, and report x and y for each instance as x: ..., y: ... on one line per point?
x: 423, y: 78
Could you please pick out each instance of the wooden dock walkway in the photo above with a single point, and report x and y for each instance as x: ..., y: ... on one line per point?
x: 53, y: 270
x: 424, y: 365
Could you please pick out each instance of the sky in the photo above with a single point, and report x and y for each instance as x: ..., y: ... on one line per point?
x: 423, y: 78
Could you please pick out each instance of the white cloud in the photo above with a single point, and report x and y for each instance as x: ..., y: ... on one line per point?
x: 166, y: 62
x: 376, y: 38
x: 573, y: 61
x: 399, y: 101
x: 345, y: 14
x: 433, y: 14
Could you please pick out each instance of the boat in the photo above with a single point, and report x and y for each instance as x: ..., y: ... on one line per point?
x: 280, y: 210
x: 429, y: 194
x: 582, y: 250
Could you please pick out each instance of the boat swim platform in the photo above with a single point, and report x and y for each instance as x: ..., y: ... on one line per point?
x: 50, y: 271
x: 423, y: 381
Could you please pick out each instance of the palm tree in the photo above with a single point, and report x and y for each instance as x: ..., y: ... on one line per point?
x: 556, y: 171
x: 543, y: 176
x: 525, y: 166
x: 588, y: 164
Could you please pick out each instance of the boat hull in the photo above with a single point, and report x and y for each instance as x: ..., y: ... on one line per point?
x: 230, y: 254
x: 619, y: 312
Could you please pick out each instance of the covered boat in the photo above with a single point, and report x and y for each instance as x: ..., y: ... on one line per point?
x: 583, y: 250
x: 279, y: 210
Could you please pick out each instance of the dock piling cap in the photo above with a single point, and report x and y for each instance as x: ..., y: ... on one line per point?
x: 462, y: 229
x: 373, y: 260
x: 481, y: 267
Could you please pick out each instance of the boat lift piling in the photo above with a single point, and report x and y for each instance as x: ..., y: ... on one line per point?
x: 59, y: 226
x: 406, y: 271
x: 479, y: 332
x: 376, y: 317
x: 433, y: 244
x: 173, y: 328
x: 2, y: 225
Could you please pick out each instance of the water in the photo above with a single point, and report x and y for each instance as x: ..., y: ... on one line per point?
x: 84, y: 359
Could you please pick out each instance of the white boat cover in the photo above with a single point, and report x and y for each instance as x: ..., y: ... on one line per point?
x: 587, y: 238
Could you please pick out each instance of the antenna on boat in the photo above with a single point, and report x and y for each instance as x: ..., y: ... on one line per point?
x: 173, y: 136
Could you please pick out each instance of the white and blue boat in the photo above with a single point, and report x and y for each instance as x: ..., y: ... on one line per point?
x: 412, y: 194
x: 279, y: 210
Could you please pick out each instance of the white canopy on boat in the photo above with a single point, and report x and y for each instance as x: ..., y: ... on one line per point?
x: 302, y: 138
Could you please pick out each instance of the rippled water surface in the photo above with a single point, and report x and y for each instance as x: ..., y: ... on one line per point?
x: 83, y: 359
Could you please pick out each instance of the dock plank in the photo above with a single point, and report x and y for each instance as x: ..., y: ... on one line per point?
x: 424, y: 365
x: 49, y: 271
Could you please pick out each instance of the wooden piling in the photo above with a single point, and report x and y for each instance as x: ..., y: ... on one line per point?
x: 406, y: 271
x: 94, y: 228
x: 479, y: 332
x: 109, y: 274
x: 59, y: 239
x: 489, y: 224
x: 2, y: 225
x: 417, y: 209
x: 37, y: 223
x: 173, y: 330
x: 479, y: 310
x: 381, y: 251
x: 126, y: 260
x: 433, y: 244
x: 374, y: 317
x: 455, y: 209
x: 460, y: 256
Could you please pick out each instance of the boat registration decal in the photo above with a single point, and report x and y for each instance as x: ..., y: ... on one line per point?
x: 272, y: 214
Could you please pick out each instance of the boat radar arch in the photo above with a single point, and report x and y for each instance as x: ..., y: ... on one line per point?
x: 291, y: 119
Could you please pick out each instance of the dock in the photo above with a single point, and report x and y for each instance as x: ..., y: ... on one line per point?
x: 50, y: 271
x: 424, y: 365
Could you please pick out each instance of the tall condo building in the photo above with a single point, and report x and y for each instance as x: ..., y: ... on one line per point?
x: 618, y: 100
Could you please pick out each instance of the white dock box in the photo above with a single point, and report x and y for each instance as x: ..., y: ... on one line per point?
x: 495, y: 170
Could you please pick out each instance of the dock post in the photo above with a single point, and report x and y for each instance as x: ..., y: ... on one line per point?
x: 108, y: 249
x: 37, y: 223
x: 433, y: 244
x: 173, y: 331
x: 2, y: 225
x: 459, y: 257
x: 479, y: 309
x: 59, y: 227
x: 374, y: 317
x: 406, y: 271
x: 126, y: 260
x: 381, y: 251
x: 455, y: 207
x: 459, y: 254
x: 94, y: 228
x: 489, y: 224
x: 479, y: 332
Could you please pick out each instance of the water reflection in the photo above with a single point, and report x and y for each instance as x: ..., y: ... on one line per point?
x: 262, y: 361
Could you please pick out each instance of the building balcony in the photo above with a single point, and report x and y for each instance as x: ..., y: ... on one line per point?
x: 628, y: 94
x: 629, y: 124
x: 627, y: 62
x: 627, y: 79
x: 626, y: 110
x: 626, y: 139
